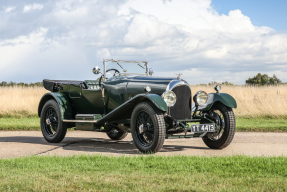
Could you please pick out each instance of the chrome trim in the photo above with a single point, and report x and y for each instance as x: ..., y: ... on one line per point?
x: 126, y: 74
x: 150, y: 71
x: 217, y: 88
x: 175, y: 83
x: 146, y: 88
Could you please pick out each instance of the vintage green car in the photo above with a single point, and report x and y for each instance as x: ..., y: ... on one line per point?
x: 127, y: 98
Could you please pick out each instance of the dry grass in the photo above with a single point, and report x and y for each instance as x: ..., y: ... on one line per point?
x: 252, y: 102
x: 20, y: 102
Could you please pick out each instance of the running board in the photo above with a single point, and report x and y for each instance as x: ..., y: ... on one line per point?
x: 85, y: 122
x: 78, y: 121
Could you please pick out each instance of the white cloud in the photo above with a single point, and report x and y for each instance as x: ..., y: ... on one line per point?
x: 186, y: 36
x: 9, y: 9
x: 28, y: 8
x: 15, y: 51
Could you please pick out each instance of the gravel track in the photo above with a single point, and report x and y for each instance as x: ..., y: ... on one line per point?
x: 28, y: 143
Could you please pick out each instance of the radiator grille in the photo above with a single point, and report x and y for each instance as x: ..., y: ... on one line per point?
x: 182, y: 107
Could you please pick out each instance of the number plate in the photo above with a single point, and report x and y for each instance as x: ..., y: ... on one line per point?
x: 203, y: 128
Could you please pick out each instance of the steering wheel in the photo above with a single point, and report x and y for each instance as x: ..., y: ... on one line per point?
x: 116, y: 71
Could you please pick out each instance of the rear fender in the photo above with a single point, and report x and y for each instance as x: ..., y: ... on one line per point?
x: 125, y: 110
x: 223, y: 98
x: 63, y: 102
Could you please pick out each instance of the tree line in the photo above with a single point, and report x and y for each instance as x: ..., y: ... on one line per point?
x: 258, y: 80
x: 21, y: 84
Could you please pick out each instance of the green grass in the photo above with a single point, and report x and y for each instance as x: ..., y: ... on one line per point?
x: 19, y: 124
x: 144, y: 173
x: 262, y: 125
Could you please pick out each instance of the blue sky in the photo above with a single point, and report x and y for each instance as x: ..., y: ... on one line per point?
x: 204, y: 40
x: 261, y: 12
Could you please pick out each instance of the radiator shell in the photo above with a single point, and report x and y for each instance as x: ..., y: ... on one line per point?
x: 182, y: 107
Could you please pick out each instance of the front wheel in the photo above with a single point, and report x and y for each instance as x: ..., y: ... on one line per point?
x: 225, y: 120
x: 148, y: 128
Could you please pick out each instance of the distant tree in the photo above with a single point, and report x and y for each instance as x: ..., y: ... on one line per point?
x: 227, y: 83
x: 4, y: 83
x: 274, y: 80
x: 21, y: 84
x: 213, y: 83
x: 263, y: 80
x: 223, y: 83
x: 11, y: 84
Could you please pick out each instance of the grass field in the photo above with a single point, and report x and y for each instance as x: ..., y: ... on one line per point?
x: 259, y: 108
x: 264, y: 125
x: 145, y: 173
x: 252, y: 102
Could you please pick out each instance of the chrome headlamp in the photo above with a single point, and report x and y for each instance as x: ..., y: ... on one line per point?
x: 200, y: 98
x: 169, y: 97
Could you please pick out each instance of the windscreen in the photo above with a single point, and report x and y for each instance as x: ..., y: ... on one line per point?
x: 139, y: 68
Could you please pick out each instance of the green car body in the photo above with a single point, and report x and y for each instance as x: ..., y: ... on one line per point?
x: 98, y: 105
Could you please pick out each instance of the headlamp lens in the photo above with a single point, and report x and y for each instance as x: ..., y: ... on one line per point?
x: 200, y: 98
x: 170, y: 98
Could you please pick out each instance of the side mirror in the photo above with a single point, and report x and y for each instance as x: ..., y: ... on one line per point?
x: 150, y: 71
x: 96, y: 70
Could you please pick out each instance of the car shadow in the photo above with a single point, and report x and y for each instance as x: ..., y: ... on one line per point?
x: 174, y: 148
x: 98, y: 145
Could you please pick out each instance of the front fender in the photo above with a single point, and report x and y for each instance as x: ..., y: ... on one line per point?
x: 224, y: 98
x: 157, y: 101
x: 63, y: 102
x: 125, y: 110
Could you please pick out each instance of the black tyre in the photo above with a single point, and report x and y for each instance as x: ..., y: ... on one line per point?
x: 148, y: 128
x: 117, y: 134
x: 224, y: 117
x: 53, y: 129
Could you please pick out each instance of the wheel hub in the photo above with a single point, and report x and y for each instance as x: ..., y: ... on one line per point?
x: 143, y: 128
x: 220, y: 124
x: 48, y: 121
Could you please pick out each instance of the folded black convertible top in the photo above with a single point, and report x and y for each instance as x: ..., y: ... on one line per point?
x: 50, y: 84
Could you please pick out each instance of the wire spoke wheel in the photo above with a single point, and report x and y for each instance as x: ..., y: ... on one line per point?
x: 52, y: 126
x: 224, y: 119
x: 220, y: 125
x: 144, y: 128
x: 51, y: 121
x: 148, y: 127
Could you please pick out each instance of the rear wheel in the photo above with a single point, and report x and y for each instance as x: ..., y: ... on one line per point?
x: 148, y: 128
x: 225, y: 120
x: 53, y: 129
x: 117, y: 134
